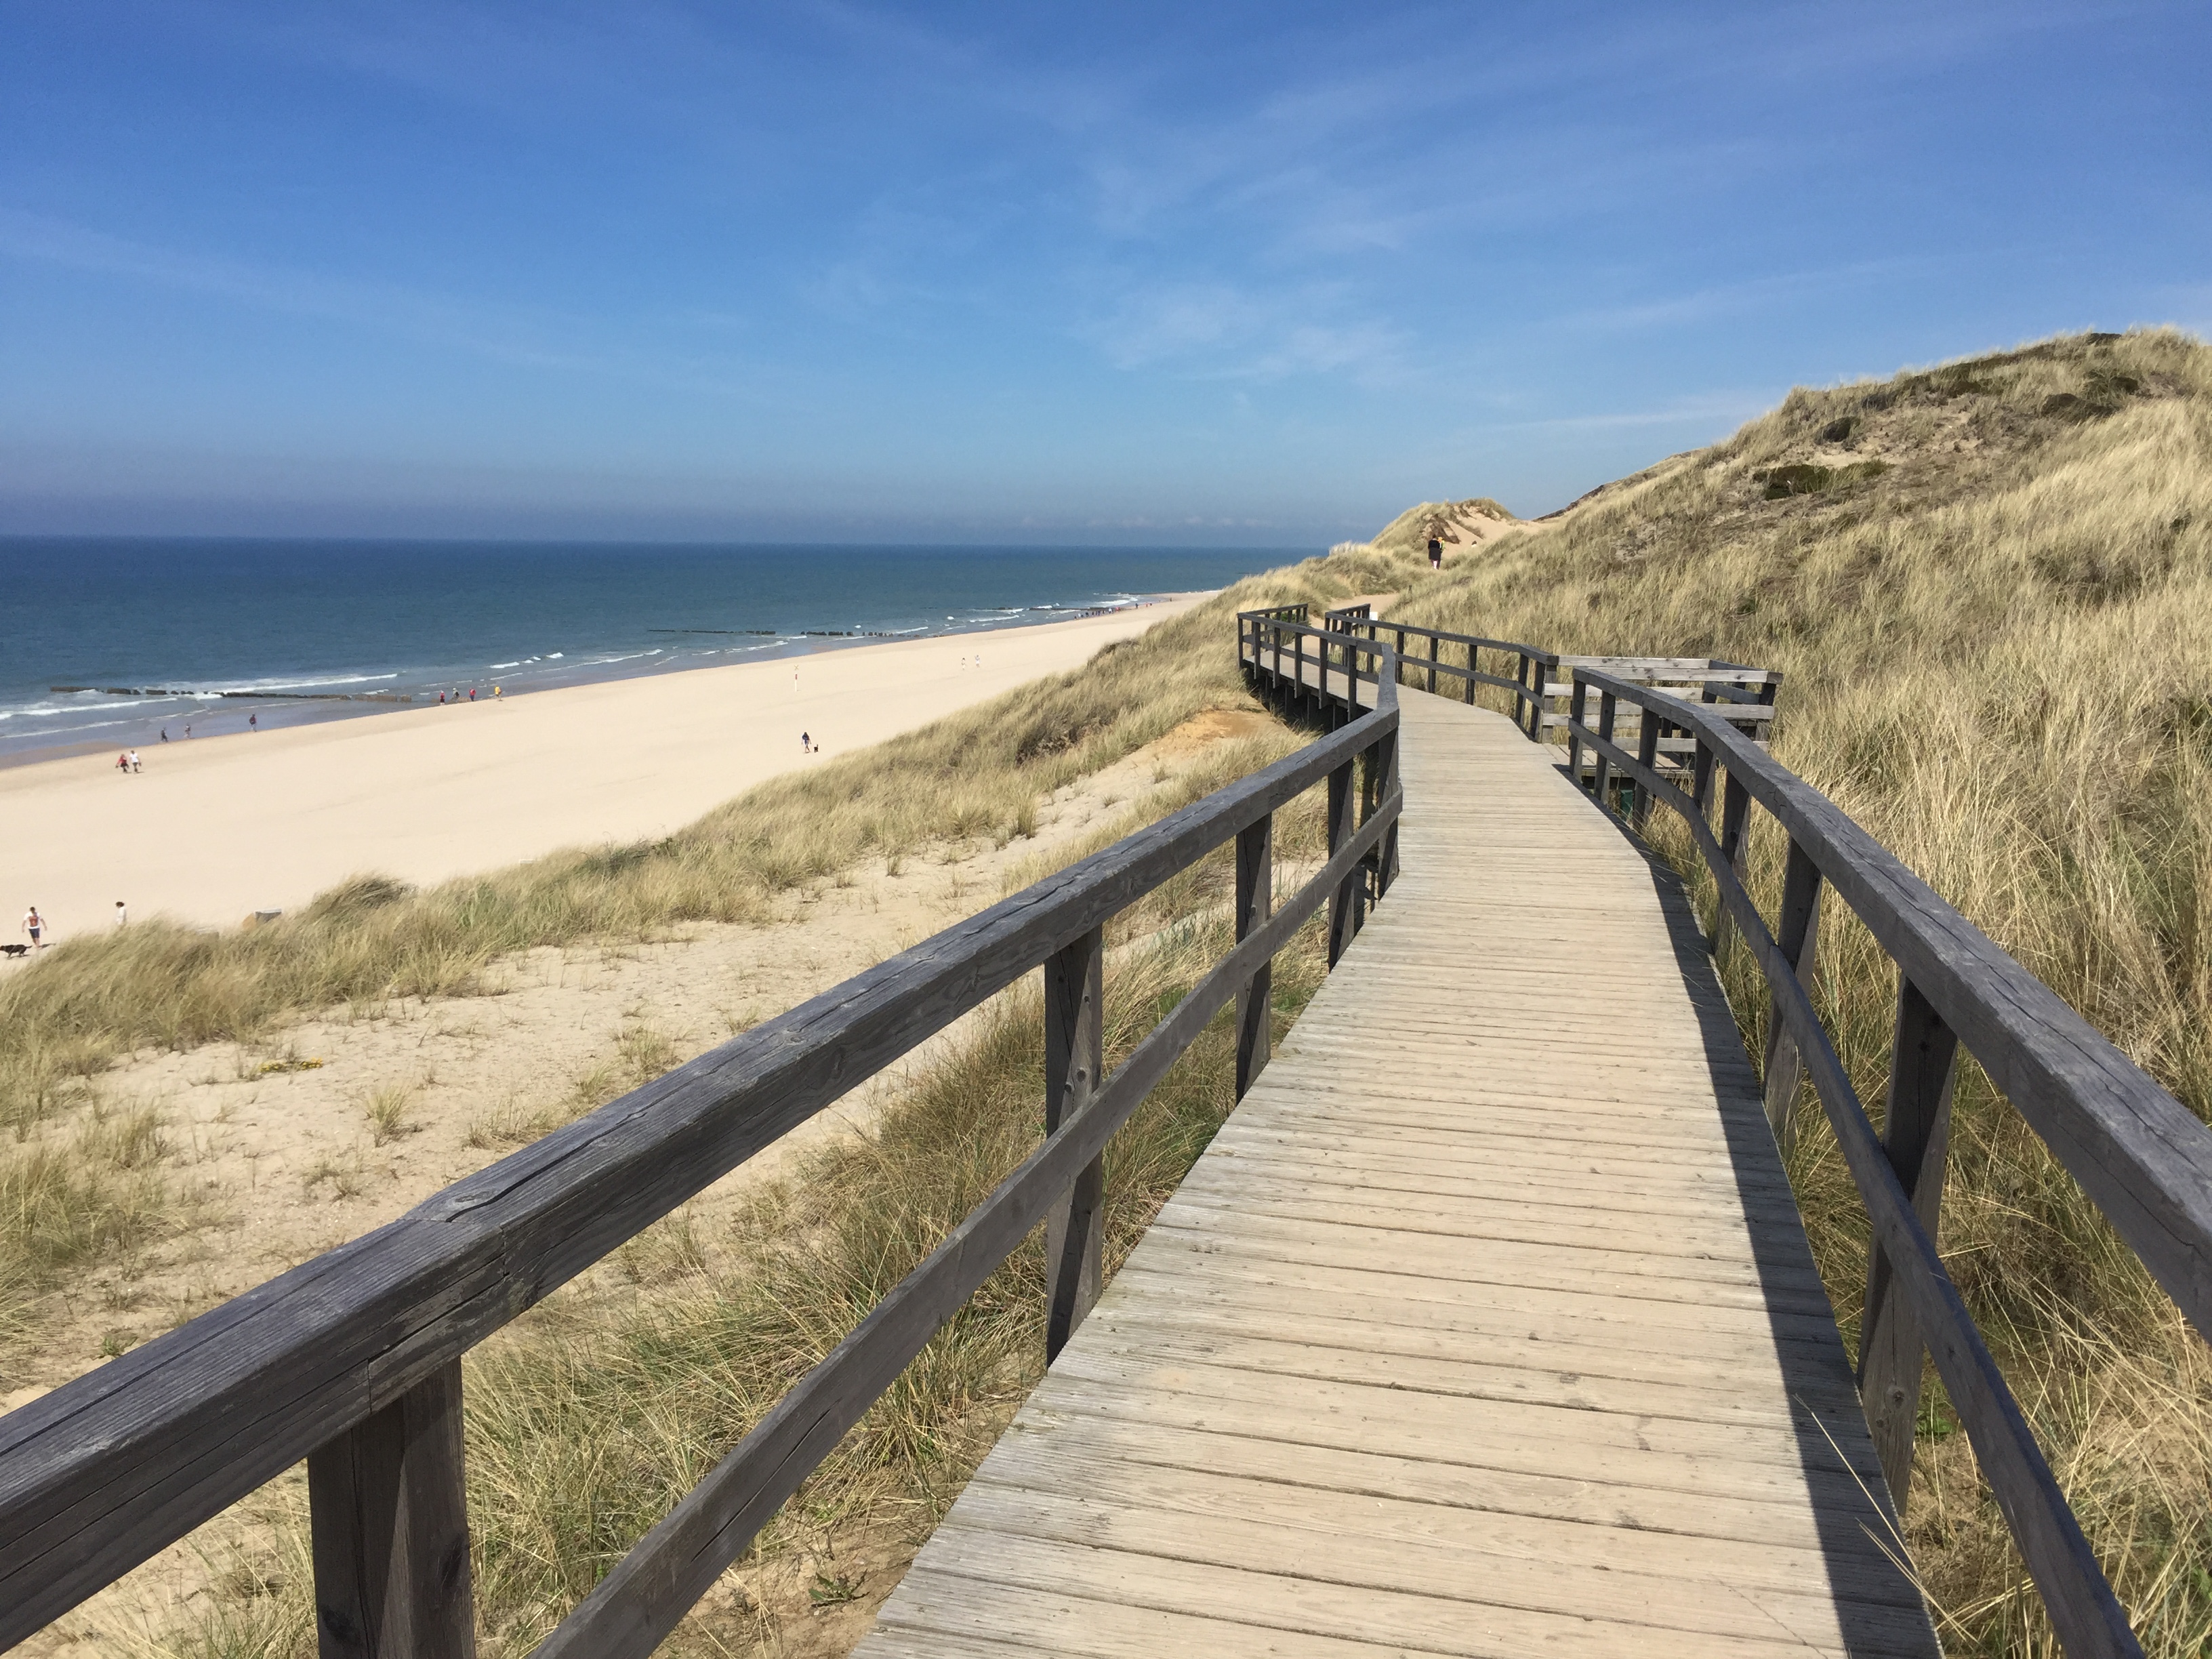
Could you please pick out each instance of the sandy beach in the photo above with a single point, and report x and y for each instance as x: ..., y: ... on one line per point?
x: 214, y: 830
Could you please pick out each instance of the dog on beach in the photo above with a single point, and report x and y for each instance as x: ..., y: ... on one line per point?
x: 14, y: 949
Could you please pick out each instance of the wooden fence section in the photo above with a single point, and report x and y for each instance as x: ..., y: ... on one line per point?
x: 1543, y: 681
x: 352, y: 1361
x: 1483, y: 1327
x: 2140, y: 1156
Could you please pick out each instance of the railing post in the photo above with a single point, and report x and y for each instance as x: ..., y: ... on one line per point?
x: 1074, y: 1048
x: 1473, y: 668
x: 1649, y: 726
x: 1433, y: 642
x: 1255, y: 903
x: 1915, y: 1133
x: 1370, y: 778
x: 1386, y: 780
x: 1736, y: 817
x: 1607, y: 707
x: 1298, y: 663
x: 1536, y: 677
x: 1581, y: 713
x: 1798, y: 934
x: 388, y: 1509
x: 1701, y: 778
x: 1339, y: 831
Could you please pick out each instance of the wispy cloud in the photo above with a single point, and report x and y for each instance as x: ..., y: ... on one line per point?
x: 1734, y: 299
x: 1705, y: 410
x: 381, y: 306
x: 530, y: 336
x: 1222, y: 330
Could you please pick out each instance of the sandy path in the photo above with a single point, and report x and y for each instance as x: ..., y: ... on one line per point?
x: 222, y: 826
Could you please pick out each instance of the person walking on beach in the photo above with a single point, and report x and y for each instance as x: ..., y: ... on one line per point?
x: 122, y: 761
x: 188, y: 733
x: 806, y: 743
x: 35, y: 926
x: 121, y: 915
x: 134, y: 762
x: 473, y: 694
x: 253, y: 722
x: 494, y: 694
x: 164, y: 734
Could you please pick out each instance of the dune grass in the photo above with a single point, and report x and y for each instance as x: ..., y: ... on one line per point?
x: 979, y: 773
x: 1990, y: 588
x: 68, y: 1015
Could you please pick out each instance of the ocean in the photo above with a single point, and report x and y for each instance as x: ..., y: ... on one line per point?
x: 106, y: 643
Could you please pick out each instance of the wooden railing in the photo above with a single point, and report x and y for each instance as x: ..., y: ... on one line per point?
x: 1341, y: 662
x: 1541, y: 678
x: 352, y: 1361
x: 2141, y: 1156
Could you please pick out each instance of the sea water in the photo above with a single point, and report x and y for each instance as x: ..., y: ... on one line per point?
x: 109, y: 643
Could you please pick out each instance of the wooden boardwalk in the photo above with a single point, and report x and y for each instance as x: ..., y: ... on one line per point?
x: 1485, y: 1326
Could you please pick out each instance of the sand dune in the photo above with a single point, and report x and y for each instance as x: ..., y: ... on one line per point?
x: 213, y: 829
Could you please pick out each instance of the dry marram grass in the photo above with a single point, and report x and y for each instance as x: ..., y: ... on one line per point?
x: 591, y: 1417
x: 980, y: 775
x: 1990, y: 588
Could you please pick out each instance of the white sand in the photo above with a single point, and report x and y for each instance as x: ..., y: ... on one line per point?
x: 216, y: 828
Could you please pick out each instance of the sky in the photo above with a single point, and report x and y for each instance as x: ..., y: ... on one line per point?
x: 1251, y: 275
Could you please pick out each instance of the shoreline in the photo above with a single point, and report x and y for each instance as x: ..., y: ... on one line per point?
x: 216, y: 829
x: 280, y: 711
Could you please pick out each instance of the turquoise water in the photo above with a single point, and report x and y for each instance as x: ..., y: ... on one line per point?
x: 159, y: 630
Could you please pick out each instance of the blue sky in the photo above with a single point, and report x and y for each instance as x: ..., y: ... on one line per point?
x: 1257, y: 274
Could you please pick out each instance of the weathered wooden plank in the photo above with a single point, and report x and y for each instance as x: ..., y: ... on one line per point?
x: 1786, y: 1524
x: 1263, y: 1526
x: 1552, y: 1336
x: 1094, y: 1627
x: 1021, y: 1567
x: 1549, y: 1266
x: 1466, y: 1372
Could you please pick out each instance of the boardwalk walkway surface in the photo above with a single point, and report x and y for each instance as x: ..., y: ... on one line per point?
x: 1485, y: 1326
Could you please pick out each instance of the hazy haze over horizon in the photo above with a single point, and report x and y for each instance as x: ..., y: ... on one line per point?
x: 1236, y: 275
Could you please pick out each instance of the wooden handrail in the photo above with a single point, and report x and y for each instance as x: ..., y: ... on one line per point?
x: 651, y: 1588
x: 2141, y: 1156
x: 1527, y: 686
x: 351, y: 1360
